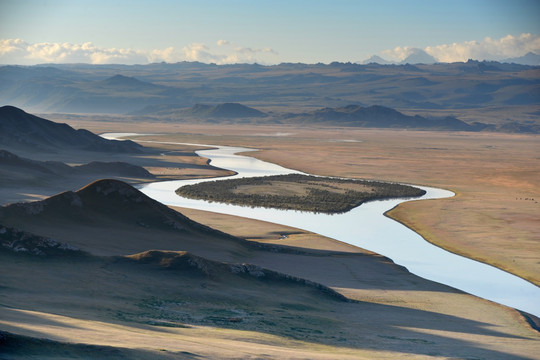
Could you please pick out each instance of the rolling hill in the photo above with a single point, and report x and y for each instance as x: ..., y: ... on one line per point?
x: 23, y: 131
x: 107, y: 267
x: 378, y: 117
x: 226, y: 110
x: 112, y: 204
x: 17, y: 171
x: 374, y: 116
x: 201, y: 111
x: 147, y: 287
x: 490, y: 92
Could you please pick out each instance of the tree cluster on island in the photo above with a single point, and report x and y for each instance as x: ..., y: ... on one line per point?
x: 299, y: 192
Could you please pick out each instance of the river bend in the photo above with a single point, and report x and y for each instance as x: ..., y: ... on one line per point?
x: 364, y: 226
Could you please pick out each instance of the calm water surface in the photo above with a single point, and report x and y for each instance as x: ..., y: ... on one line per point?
x: 366, y: 227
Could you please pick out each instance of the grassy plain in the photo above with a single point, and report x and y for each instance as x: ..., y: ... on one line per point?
x: 494, y: 216
x: 398, y: 315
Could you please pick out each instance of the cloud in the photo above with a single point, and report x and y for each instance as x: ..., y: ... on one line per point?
x: 199, y: 52
x: 169, y: 54
x: 398, y: 53
x: 487, y: 49
x: 17, y: 51
x: 202, y: 53
x: 506, y: 47
x: 10, y: 46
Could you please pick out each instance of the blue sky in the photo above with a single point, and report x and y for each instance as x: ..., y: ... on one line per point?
x: 276, y: 31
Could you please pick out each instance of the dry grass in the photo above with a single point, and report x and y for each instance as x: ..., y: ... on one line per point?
x: 398, y: 314
x: 494, y: 217
x: 496, y: 178
x: 290, y: 188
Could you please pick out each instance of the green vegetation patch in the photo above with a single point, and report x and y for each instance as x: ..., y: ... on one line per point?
x: 298, y: 192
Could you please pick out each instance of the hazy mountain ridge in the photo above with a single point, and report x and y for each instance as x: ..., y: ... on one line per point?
x: 530, y: 58
x: 419, y: 56
x: 381, y: 117
x: 374, y: 116
x: 224, y: 111
x: 12, y: 162
x: 21, y: 130
x: 80, y: 88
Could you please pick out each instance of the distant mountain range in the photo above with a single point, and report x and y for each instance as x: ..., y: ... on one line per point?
x: 381, y: 117
x: 527, y: 59
x: 375, y: 59
x: 121, y: 89
x: 350, y: 115
x: 220, y: 111
x: 416, y: 57
x: 419, y: 56
x: 22, y: 131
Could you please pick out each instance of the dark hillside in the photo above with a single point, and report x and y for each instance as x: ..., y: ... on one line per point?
x: 378, y: 117
x: 17, y: 171
x: 226, y: 110
x: 108, y: 198
x: 118, y: 219
x: 24, y: 131
x: 126, y: 83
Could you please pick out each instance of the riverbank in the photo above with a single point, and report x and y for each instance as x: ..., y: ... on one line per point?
x: 494, y: 217
x: 365, y: 226
x: 397, y: 319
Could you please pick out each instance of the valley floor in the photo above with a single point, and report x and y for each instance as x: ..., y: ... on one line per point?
x: 109, y: 309
x: 494, y: 216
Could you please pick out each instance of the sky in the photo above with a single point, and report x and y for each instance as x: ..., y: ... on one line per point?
x: 265, y: 32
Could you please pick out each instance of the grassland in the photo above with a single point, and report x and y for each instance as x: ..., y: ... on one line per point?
x: 115, y: 306
x: 175, y: 304
x: 494, y: 216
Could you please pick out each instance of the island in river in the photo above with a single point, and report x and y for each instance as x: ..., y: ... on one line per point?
x: 298, y: 192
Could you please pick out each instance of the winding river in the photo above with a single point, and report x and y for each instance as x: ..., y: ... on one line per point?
x: 366, y: 227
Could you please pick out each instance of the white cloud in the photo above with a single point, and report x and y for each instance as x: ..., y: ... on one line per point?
x: 398, y: 53
x: 11, y: 46
x: 487, y: 49
x: 506, y: 47
x: 199, y: 52
x: 17, y: 51
x: 169, y: 54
